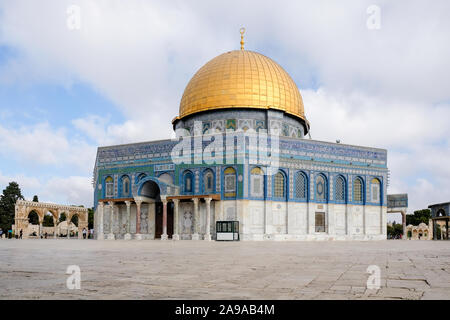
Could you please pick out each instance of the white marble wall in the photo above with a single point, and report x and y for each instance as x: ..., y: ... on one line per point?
x: 262, y: 220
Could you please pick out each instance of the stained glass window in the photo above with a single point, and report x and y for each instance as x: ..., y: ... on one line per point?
x: 125, y: 186
x: 357, y: 190
x: 375, y: 186
x: 188, y: 182
x: 208, y: 181
x: 257, y: 182
x: 230, y: 182
x: 340, y: 189
x: 279, y: 186
x: 300, y: 185
x: 109, y: 182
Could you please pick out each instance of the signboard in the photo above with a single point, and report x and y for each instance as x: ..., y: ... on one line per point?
x: 397, y: 200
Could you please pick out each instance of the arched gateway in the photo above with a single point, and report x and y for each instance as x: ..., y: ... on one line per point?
x: 24, y: 208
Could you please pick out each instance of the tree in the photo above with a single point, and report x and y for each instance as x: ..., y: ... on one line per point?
x: 48, y: 221
x: 33, y: 217
x: 35, y: 198
x: 62, y: 217
x: 418, y: 217
x: 8, y: 200
x: 395, y: 230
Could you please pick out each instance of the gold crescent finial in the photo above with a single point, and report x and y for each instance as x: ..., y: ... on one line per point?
x: 242, y: 31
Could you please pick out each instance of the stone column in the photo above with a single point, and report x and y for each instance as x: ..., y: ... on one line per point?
x: 446, y: 229
x: 138, y: 235
x: 55, y: 227
x: 404, y: 236
x: 100, y: 234
x: 127, y: 235
x: 208, y: 219
x: 40, y: 229
x: 68, y: 218
x: 175, y: 235
x: 430, y: 229
x: 195, y: 236
x: 151, y: 220
x: 164, y: 235
x: 111, y: 221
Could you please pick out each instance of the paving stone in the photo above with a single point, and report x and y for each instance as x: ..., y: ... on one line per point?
x: 36, y: 269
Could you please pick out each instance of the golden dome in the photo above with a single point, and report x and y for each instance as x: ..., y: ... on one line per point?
x: 241, y: 79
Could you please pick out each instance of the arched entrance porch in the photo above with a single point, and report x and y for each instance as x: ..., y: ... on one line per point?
x: 163, y: 212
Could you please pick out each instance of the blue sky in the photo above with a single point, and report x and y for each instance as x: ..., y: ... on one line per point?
x: 119, y: 78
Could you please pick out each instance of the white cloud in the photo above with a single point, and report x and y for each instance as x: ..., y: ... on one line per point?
x: 416, y: 135
x: 41, y: 144
x: 72, y: 190
x: 103, y: 132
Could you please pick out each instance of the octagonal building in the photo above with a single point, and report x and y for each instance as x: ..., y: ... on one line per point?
x: 242, y: 160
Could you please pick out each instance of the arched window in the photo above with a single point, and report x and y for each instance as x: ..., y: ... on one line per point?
x: 321, y: 188
x: 257, y: 182
x: 279, y: 190
x: 340, y: 189
x: 300, y: 185
x: 358, y: 190
x: 375, y: 190
x: 188, y: 182
x: 125, y: 186
x: 208, y: 181
x: 230, y: 182
x: 109, y: 184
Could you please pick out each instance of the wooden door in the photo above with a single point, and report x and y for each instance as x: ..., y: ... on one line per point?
x: 158, y: 220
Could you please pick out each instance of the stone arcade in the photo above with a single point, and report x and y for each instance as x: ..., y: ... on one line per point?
x: 24, y: 208
x: 237, y: 107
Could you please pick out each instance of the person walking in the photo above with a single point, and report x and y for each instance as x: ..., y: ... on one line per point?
x: 20, y: 237
x: 84, y: 233
x: 1, y: 233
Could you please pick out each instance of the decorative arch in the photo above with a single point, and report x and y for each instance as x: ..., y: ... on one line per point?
x: 321, y: 187
x: 33, y: 212
x: 163, y: 187
x: 257, y: 182
x: 229, y: 175
x: 109, y: 187
x: 125, y: 186
x: 280, y: 185
x: 188, y: 181
x: 340, y: 189
x: 358, y: 190
x: 208, y: 178
x: 301, y: 185
x: 375, y: 191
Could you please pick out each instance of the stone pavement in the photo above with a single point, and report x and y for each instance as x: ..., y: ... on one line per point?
x: 36, y: 269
